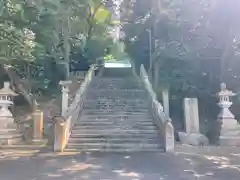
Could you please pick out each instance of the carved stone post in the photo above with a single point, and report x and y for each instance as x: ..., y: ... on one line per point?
x: 37, y: 125
x: 65, y: 93
x: 60, y: 134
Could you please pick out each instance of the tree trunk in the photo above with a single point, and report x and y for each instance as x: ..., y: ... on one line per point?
x: 156, y: 75
x: 66, y: 44
x: 28, y: 77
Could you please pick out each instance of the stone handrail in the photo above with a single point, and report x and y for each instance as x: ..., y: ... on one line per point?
x: 63, y: 125
x: 160, y: 118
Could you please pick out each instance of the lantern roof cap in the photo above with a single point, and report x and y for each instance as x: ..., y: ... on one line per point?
x: 224, y: 91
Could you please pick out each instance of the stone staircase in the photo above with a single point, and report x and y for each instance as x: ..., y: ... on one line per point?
x: 115, y: 118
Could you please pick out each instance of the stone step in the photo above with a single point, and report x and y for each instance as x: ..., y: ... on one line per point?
x: 99, y: 80
x: 115, y: 147
x: 112, y: 84
x: 23, y: 147
x: 115, y: 140
x: 115, y: 111
x: 10, y: 135
x: 116, y: 91
x: 105, y: 83
x: 113, y: 87
x: 116, y: 102
x: 8, y: 131
x: 106, y: 93
x: 124, y: 135
x: 125, y: 105
x: 110, y: 108
x: 107, y: 127
x: 117, y: 72
x: 114, y: 119
x: 157, y: 138
x: 118, y: 150
x: 111, y: 132
x: 112, y: 104
x: 100, y: 143
x: 106, y: 122
x: 117, y: 96
x: 136, y: 104
x: 114, y: 123
x: 115, y: 78
x: 129, y: 102
x: 10, y: 139
x: 117, y: 114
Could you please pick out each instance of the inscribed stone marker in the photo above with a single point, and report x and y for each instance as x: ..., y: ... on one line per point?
x: 191, y: 115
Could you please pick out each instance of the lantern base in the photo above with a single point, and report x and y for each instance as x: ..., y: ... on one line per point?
x: 9, y: 133
x: 225, y: 113
x: 228, y: 132
x: 229, y: 141
x: 10, y: 136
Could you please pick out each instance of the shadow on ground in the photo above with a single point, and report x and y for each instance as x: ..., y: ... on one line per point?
x: 115, y: 166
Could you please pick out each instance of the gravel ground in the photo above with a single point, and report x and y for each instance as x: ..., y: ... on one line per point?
x: 187, y: 163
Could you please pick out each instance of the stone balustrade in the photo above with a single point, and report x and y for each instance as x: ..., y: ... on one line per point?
x: 62, y: 125
x: 161, y: 119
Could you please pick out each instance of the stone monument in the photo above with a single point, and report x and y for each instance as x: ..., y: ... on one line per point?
x: 9, y: 133
x: 192, y: 136
x: 228, y: 130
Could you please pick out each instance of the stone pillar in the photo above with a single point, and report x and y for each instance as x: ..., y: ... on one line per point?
x: 165, y: 96
x: 37, y: 125
x: 192, y: 135
x: 60, y: 134
x: 65, y: 92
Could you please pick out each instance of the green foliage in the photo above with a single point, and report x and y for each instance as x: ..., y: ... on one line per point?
x: 38, y: 37
x: 203, y: 47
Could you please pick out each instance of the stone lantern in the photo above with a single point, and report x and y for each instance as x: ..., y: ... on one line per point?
x: 6, y: 97
x: 8, y: 129
x: 229, y: 131
x: 225, y: 103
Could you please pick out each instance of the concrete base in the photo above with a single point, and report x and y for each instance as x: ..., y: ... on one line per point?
x: 195, y: 139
